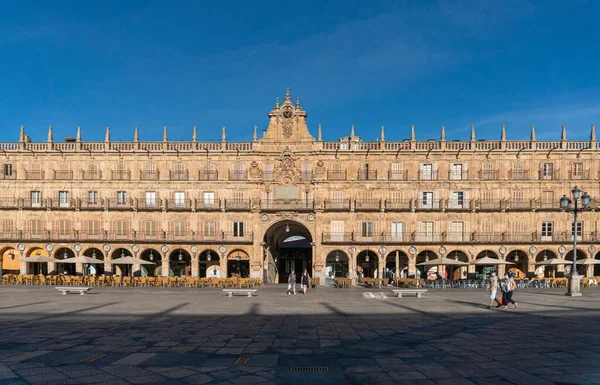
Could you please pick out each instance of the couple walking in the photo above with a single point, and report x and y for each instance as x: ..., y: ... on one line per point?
x: 507, y: 287
x: 292, y: 282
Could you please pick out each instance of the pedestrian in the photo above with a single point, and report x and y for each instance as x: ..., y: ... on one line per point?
x: 493, y: 289
x: 512, y: 286
x: 292, y: 283
x: 305, y: 280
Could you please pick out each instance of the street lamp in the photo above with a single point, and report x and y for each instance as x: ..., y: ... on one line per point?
x: 565, y: 204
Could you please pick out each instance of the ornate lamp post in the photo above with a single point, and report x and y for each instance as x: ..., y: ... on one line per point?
x: 573, y: 289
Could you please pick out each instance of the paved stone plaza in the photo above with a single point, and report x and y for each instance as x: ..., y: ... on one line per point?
x: 360, y: 336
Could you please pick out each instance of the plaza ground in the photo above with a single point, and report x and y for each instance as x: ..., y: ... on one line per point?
x: 345, y: 336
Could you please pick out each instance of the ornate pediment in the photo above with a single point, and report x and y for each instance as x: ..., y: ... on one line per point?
x: 287, y: 123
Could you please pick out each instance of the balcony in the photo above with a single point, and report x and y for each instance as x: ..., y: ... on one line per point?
x: 336, y: 175
x: 428, y: 175
x: 488, y: 205
x: 12, y: 174
x: 429, y: 204
x: 398, y: 205
x: 63, y: 175
x: 367, y: 174
x: 208, y: 175
x: 14, y: 235
x: 306, y: 176
x: 238, y: 175
x: 458, y: 204
x: 517, y: 174
x: 149, y: 175
x: 178, y: 175
x: 286, y: 205
x: 489, y: 174
x: 148, y: 204
x: 549, y: 175
x: 59, y: 204
x: 34, y: 204
x: 86, y: 204
x: 118, y: 204
x: 367, y: 205
x: 337, y: 237
x: 337, y: 205
x: 91, y: 175
x: 542, y: 204
x: 517, y: 204
x: 35, y: 175
x: 207, y: 204
x: 579, y: 174
x: 398, y: 174
x: 179, y: 204
x: 458, y: 174
x: 121, y: 175
x: 237, y: 204
x: 9, y: 203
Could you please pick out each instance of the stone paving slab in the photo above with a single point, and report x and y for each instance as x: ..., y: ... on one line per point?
x: 198, y: 336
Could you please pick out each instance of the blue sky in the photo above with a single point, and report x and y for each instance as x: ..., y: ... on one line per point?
x: 181, y: 64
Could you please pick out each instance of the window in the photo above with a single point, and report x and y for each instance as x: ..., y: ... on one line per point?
x: 209, y: 228
x: 150, y: 198
x: 64, y: 227
x: 306, y: 171
x: 150, y: 228
x: 93, y: 227
x: 179, y: 198
x: 366, y: 229
x: 337, y: 231
x: 427, y: 199
x: 36, y: 227
x: 547, y: 230
x: 238, y: 172
x: 456, y: 171
x: 397, y: 229
x: 337, y: 196
x: 8, y: 170
x: 36, y: 197
x: 426, y: 171
x: 456, y: 231
x: 121, y: 197
x: 121, y: 228
x: 92, y: 197
x: 457, y: 199
x: 268, y: 172
x: 179, y: 228
x: 7, y: 225
x: 547, y: 198
x: 547, y: 170
x: 209, y: 198
x: 427, y: 229
x: 579, y: 229
x: 63, y: 198
x: 238, y: 229
x: 578, y: 170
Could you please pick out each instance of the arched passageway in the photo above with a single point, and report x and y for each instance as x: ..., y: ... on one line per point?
x: 520, y: 260
x: 425, y: 271
x: 367, y: 262
x: 336, y: 265
x: 210, y: 264
x: 287, y: 248
x: 180, y: 263
x: 94, y: 269
x: 121, y: 269
x: 546, y: 270
x: 457, y: 272
x: 151, y: 255
x: 65, y: 268
x: 238, y: 264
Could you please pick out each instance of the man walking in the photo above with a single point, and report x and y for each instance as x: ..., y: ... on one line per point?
x: 493, y: 288
x: 292, y: 283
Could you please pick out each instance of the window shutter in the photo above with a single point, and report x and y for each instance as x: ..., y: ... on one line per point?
x: 436, y: 200
x: 466, y: 202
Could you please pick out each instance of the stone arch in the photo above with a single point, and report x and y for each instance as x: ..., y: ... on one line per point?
x: 9, y: 265
x: 180, y: 263
x: 390, y: 264
x: 424, y: 255
x: 546, y: 270
x: 457, y: 272
x: 61, y: 253
x: 153, y: 255
x: 521, y: 260
x: 289, y: 242
x: 122, y: 270
x: 96, y: 253
x: 367, y: 261
x: 238, y: 263
x: 581, y: 254
x: 337, y: 264
x: 209, y: 260
x: 486, y: 270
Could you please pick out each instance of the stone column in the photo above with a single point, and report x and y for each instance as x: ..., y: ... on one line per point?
x: 165, y: 266
x: 1, y: 261
x: 412, y: 268
x: 397, y: 261
x: 79, y: 269
x: 351, y: 267
x: 501, y: 270
x: 223, y: 266
x: 195, y: 266
x: 107, y: 267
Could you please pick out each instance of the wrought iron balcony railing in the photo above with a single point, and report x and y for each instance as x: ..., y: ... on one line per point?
x: 367, y: 174
x: 398, y: 174
x: 337, y: 205
x: 237, y: 204
x: 63, y: 175
x: 428, y: 175
x: 120, y: 175
x: 579, y: 174
x: 238, y: 175
x: 458, y: 174
x: 367, y: 205
x: 518, y: 174
x: 489, y: 174
x: 91, y: 175
x: 35, y: 175
x: 149, y: 175
x: 208, y: 175
x: 336, y: 174
x: 207, y: 204
x: 178, y: 175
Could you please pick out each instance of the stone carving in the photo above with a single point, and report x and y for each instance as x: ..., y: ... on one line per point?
x: 286, y: 171
x: 287, y: 214
x: 320, y: 170
x: 255, y: 171
x: 287, y: 130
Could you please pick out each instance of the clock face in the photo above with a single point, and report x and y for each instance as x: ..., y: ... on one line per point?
x: 287, y: 113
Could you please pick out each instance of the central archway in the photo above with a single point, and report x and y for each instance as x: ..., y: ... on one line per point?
x: 287, y: 248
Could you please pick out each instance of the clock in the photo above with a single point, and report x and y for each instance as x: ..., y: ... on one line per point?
x: 77, y: 247
x: 287, y: 112
x: 135, y: 248
x: 49, y: 247
x: 194, y: 249
x: 106, y: 247
x: 164, y: 248
x: 222, y: 249
x: 21, y: 247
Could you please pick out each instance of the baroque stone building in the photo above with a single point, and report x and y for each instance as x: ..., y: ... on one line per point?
x: 287, y: 200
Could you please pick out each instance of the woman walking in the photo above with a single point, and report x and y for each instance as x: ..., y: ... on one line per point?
x: 512, y: 285
x: 305, y: 281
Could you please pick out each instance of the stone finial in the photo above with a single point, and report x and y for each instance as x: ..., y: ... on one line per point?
x: 383, y: 133
x: 298, y: 103
x: 255, y: 137
x: 277, y: 102
x: 412, y: 132
x: 352, y: 131
x: 503, y: 134
x: 22, y: 134
x: 165, y: 138
x: 78, y: 137
x: 107, y: 135
x: 533, y: 132
x: 194, y: 135
x: 288, y: 98
x: 563, y: 135
x: 472, y: 132
x: 443, y: 136
x: 319, y: 134
x: 223, y: 135
x: 49, y: 133
x: 593, y: 133
x: 136, y: 134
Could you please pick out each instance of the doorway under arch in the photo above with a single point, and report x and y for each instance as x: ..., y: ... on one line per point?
x: 336, y: 265
x: 238, y: 264
x: 367, y: 262
x: 210, y: 264
x: 65, y: 268
x: 180, y: 263
x: 288, y: 248
x: 151, y: 255
x: 94, y: 269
